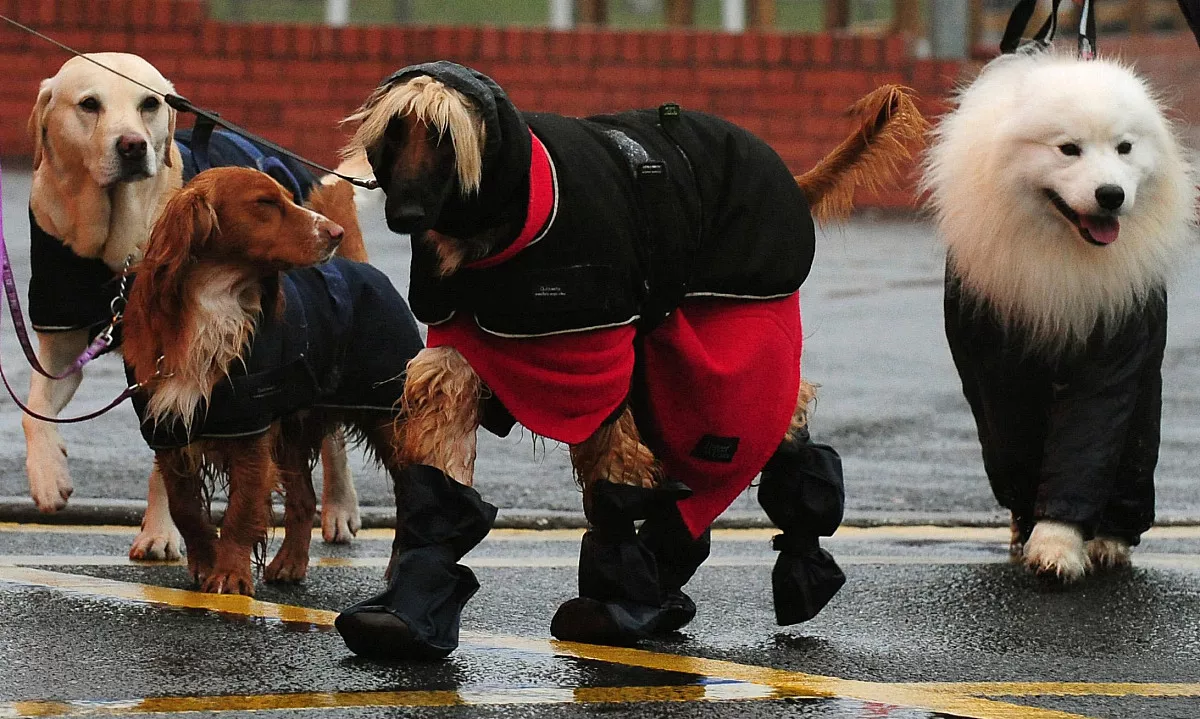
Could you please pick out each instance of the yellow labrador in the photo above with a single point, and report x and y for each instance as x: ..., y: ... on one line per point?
x: 104, y: 165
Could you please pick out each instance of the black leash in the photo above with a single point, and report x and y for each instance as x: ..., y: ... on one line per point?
x: 182, y: 104
x: 1023, y: 12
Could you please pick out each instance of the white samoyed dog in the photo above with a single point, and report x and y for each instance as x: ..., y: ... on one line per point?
x: 1065, y: 200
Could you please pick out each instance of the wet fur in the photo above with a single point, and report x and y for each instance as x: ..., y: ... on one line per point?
x: 212, y: 264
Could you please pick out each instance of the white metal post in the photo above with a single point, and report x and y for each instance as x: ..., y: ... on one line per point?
x: 562, y: 14
x: 337, y: 12
x: 733, y: 15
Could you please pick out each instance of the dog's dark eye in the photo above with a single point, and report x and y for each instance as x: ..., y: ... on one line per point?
x: 1125, y: 148
x: 1070, y: 149
x: 150, y: 104
x: 268, y: 201
x: 89, y: 104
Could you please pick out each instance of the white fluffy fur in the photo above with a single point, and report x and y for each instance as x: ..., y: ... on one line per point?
x: 223, y: 306
x: 994, y: 155
x: 1057, y: 549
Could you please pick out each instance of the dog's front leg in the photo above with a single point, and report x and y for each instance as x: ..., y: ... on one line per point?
x: 45, y: 452
x: 182, y: 488
x: 158, y: 538
x: 439, y: 517
x: 339, y: 500
x: 253, y: 474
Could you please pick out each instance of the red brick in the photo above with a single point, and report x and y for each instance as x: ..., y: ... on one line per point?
x: 632, y: 47
x: 490, y: 43
x: 750, y: 47
x: 870, y: 50
x: 372, y: 42
x: 160, y: 14
x: 281, y: 41
x: 895, y: 50
x: 822, y: 49
x: 216, y: 69
x: 237, y: 40
x: 305, y: 38
x: 779, y: 80
x: 537, y: 47
x: 328, y: 40
x: 561, y: 45
x: 681, y: 46
x: 188, y: 13
x: 608, y: 45
x: 467, y: 46
x: 774, y: 48
x: 722, y: 77
x: 211, y: 38
x: 726, y: 48
x: 586, y: 44
x: 46, y: 12
x: 149, y: 43
x: 139, y: 14
x: 445, y: 41
x: 513, y: 44
x: 109, y: 41
x: 843, y: 50
x: 800, y: 49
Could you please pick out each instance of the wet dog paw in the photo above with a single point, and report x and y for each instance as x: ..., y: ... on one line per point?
x: 1109, y: 553
x: 340, y: 522
x: 286, y: 567
x: 229, y: 581
x: 1055, y: 550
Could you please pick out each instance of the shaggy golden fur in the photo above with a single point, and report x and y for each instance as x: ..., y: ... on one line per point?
x: 432, y: 104
x: 443, y: 392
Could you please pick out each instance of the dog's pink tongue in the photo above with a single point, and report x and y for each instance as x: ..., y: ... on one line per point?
x: 1102, y: 229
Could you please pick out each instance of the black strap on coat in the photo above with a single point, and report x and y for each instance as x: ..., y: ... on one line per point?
x: 664, y: 247
x: 1023, y: 12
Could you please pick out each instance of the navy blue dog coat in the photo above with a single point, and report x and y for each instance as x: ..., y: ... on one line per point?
x: 342, y: 340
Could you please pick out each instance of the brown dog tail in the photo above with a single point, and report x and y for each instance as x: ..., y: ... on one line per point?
x: 335, y: 200
x: 889, y: 124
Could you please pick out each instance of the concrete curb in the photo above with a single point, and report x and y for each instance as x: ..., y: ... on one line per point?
x: 128, y: 512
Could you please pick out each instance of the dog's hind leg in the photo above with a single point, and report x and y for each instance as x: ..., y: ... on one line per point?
x: 615, y: 453
x: 45, y: 452
x: 339, y: 500
x: 158, y: 538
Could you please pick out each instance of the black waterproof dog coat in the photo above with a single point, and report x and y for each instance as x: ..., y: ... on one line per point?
x: 343, y: 340
x: 68, y: 292
x: 1074, y: 437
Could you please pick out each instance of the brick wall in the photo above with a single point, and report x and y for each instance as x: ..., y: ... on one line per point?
x: 292, y: 83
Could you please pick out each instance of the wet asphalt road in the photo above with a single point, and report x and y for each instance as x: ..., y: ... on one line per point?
x: 921, y: 605
x: 889, y: 398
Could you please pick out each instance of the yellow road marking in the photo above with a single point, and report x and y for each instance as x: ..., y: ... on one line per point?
x: 937, y: 698
x: 1161, y: 560
x: 894, y: 532
x: 1065, y: 689
x: 465, y: 696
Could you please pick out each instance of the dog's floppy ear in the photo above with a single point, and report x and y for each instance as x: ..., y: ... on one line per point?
x: 37, y: 120
x: 186, y: 224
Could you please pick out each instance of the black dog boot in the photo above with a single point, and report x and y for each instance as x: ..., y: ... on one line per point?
x: 619, y: 599
x: 438, y: 520
x: 678, y: 556
x: 802, y: 492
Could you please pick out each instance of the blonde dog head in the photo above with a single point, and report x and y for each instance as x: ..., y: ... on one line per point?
x: 87, y: 117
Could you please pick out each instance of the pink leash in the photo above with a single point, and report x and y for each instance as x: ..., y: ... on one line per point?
x: 102, y: 342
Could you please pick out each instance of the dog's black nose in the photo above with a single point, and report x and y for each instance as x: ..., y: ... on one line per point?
x: 131, y: 147
x: 1110, y: 197
x: 406, y: 219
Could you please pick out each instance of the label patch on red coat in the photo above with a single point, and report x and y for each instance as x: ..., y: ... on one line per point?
x: 716, y: 449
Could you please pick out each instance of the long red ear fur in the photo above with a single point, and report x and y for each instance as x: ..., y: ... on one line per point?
x: 889, y: 126
x: 153, y: 315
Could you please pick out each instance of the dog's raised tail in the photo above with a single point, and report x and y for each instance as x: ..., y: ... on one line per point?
x: 889, y: 126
